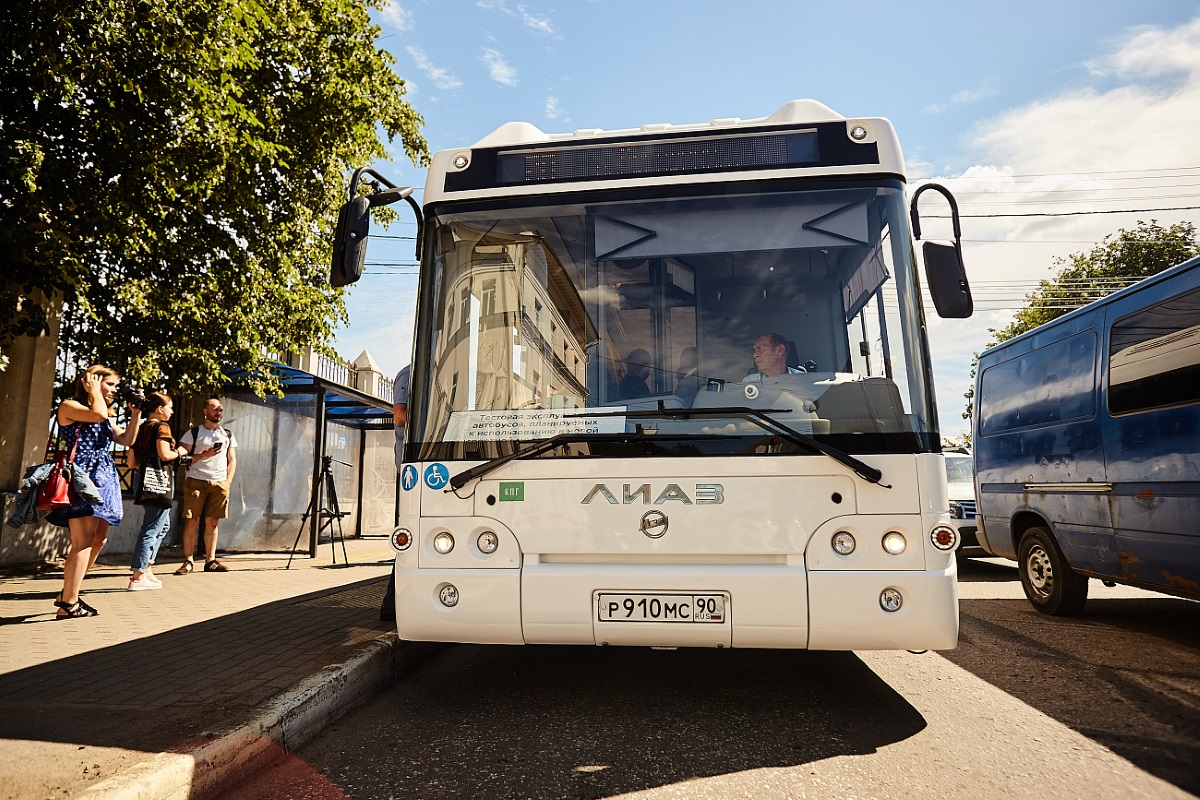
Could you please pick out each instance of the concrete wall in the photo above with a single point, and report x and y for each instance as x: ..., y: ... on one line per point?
x: 27, y: 397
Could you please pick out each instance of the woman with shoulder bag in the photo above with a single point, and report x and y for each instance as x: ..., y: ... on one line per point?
x: 86, y: 419
x: 153, y: 449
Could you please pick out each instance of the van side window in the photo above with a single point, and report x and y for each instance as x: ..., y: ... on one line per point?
x: 1154, y: 357
x: 1052, y: 384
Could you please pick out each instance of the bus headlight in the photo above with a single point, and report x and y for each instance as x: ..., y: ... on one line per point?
x: 890, y: 599
x: 488, y: 542
x: 893, y: 542
x: 401, y: 539
x: 944, y: 537
x: 843, y: 543
x: 448, y: 595
x: 443, y: 543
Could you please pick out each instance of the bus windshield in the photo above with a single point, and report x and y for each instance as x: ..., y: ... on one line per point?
x: 546, y: 316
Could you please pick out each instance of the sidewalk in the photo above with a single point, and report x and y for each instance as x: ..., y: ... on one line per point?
x: 170, y: 692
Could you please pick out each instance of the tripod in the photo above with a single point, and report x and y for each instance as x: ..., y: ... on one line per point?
x: 328, y: 514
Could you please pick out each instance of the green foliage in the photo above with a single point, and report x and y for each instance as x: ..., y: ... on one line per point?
x: 174, y: 172
x: 1119, y: 260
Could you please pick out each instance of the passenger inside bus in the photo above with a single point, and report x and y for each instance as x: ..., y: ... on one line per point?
x: 688, y: 381
x: 634, y: 384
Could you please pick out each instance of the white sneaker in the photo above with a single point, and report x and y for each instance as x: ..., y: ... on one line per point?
x: 141, y: 585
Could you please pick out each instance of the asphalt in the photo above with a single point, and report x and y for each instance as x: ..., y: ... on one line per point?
x: 181, y: 692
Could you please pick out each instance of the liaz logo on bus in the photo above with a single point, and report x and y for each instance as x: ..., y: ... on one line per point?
x: 704, y: 494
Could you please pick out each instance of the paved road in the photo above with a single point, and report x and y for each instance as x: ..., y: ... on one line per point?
x: 1105, y: 705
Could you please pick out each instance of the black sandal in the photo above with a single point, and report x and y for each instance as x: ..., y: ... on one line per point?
x: 75, y: 610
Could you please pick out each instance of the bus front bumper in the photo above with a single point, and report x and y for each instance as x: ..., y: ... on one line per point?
x: 770, y: 606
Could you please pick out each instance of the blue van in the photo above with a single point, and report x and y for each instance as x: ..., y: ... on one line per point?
x: 1087, y: 445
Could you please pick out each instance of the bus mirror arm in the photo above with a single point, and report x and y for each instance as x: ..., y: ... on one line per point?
x: 354, y: 224
x: 944, y: 268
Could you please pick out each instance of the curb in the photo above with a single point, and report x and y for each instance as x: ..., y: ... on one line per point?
x: 287, y: 721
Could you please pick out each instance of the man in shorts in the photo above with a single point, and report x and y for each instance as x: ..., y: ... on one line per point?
x: 206, y: 487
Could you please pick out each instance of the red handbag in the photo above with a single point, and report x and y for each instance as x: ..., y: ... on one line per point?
x: 55, y: 492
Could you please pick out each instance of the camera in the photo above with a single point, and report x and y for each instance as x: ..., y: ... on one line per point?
x: 127, y: 394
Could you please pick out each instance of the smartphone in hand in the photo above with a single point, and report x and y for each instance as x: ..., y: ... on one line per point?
x: 218, y: 446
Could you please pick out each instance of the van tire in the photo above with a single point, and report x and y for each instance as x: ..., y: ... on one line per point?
x: 1048, y: 580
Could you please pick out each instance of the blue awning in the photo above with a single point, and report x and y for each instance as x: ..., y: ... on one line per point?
x: 343, y: 405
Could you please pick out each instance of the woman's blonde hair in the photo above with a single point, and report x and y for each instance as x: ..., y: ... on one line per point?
x: 81, y: 394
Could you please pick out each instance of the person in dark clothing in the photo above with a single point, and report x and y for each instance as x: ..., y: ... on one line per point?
x: 634, y: 383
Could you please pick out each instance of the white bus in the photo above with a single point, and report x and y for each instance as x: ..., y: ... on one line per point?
x: 671, y: 387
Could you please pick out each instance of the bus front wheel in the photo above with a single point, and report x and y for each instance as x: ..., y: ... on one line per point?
x: 1049, y: 582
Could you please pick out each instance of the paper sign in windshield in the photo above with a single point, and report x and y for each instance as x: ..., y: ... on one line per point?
x: 529, y: 424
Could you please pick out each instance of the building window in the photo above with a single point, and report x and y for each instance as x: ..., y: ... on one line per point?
x: 488, y: 302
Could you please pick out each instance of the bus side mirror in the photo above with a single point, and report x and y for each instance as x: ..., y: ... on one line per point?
x: 943, y: 262
x: 350, y: 242
x: 947, y: 280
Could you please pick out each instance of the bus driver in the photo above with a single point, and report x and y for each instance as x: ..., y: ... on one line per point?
x: 770, y: 356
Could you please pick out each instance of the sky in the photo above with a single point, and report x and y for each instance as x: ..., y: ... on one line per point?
x: 1055, y: 123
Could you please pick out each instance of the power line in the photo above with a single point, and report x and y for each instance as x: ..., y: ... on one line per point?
x: 1069, y: 175
x: 1036, y: 202
x: 1023, y: 190
x: 1067, y: 213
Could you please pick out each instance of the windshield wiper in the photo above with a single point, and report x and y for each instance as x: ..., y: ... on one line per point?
x: 761, y: 417
x: 540, y: 446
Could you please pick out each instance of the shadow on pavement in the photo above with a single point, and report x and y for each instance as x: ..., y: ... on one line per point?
x: 1125, y: 673
x: 166, y: 691
x: 980, y: 571
x: 543, y: 721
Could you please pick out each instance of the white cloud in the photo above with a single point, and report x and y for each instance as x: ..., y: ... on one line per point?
x: 964, y: 97
x: 397, y: 15
x: 538, y: 24
x: 500, y: 70
x: 441, y: 78
x: 1103, y: 147
x: 553, y: 109
x: 1149, y: 121
x: 1154, y: 52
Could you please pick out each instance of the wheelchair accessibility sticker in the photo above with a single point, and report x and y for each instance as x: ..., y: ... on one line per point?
x: 408, y: 478
x: 437, y: 476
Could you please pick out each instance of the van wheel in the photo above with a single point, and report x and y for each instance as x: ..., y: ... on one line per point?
x: 1049, y: 582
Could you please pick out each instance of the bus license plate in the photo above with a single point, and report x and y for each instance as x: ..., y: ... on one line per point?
x: 662, y: 608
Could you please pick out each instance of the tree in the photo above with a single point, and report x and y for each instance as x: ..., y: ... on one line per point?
x: 1121, y: 259
x: 173, y: 172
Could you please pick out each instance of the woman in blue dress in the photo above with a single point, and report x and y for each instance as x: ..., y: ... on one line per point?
x: 86, y: 419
